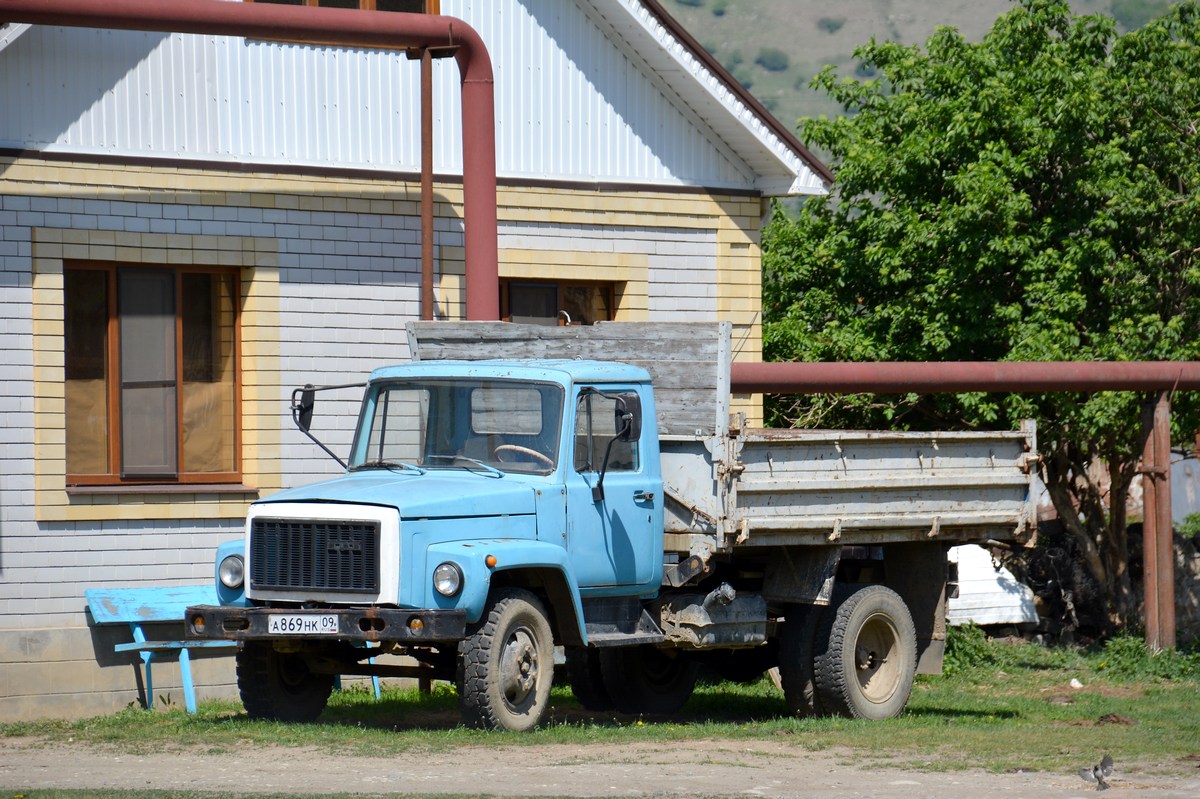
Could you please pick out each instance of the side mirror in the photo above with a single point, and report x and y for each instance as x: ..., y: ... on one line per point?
x: 629, y: 417
x: 302, y: 410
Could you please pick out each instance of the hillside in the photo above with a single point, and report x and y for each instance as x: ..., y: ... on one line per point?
x: 775, y: 47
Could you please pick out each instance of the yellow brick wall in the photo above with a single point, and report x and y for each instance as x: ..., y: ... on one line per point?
x: 733, y: 220
x: 260, y: 350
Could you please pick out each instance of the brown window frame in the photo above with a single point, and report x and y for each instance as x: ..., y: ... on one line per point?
x: 608, y: 290
x: 113, y: 384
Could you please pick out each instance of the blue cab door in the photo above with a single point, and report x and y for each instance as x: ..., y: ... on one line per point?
x: 616, y: 541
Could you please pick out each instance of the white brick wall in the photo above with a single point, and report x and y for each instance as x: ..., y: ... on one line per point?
x: 682, y: 264
x: 347, y: 284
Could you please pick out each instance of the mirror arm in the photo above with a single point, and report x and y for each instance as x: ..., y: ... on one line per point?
x: 297, y: 408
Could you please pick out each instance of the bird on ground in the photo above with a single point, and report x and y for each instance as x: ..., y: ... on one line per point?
x: 1098, y: 772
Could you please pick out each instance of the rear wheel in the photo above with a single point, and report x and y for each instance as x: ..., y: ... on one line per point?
x: 506, y: 667
x: 586, y: 679
x: 643, y: 679
x: 796, y: 637
x: 868, y: 655
x: 279, y: 685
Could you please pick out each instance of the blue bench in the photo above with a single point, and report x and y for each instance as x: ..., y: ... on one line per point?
x: 139, y: 606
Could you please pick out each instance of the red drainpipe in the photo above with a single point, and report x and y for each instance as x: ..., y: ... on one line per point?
x: 339, y: 27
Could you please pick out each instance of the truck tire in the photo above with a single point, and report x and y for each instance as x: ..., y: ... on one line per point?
x: 586, y: 680
x: 867, y: 655
x: 279, y: 686
x: 797, y: 635
x: 506, y: 666
x: 644, y: 679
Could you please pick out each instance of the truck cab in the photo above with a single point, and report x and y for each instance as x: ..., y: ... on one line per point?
x: 468, y: 485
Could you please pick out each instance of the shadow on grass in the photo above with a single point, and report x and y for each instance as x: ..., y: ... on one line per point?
x: 439, y: 712
x: 959, y: 713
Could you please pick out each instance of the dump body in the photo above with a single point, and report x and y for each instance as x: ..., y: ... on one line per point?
x: 728, y: 487
x: 761, y: 488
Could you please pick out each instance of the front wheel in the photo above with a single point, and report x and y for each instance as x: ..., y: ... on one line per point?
x: 279, y: 685
x: 643, y: 679
x: 506, y: 667
x: 866, y: 656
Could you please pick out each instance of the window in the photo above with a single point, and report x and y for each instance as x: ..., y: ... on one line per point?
x: 443, y: 423
x: 151, y: 363
x: 559, y: 303
x: 409, y: 6
x: 598, y: 420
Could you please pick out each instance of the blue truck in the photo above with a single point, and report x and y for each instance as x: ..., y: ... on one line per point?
x: 520, y: 495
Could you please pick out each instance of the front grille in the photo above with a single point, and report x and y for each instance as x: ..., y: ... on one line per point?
x: 304, y: 554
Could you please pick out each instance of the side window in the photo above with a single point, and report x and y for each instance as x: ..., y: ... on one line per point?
x: 152, y: 373
x: 596, y: 426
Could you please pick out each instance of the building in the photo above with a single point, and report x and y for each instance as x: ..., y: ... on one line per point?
x: 195, y: 224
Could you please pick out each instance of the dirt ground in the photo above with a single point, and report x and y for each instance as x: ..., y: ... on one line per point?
x: 685, y: 769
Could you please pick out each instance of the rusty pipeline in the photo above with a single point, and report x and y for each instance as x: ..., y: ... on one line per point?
x: 960, y: 376
x: 343, y: 28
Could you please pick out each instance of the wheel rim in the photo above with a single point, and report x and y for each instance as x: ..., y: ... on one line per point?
x: 519, y: 668
x: 877, y: 665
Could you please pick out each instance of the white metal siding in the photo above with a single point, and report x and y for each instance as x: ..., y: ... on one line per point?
x: 570, y: 104
x: 347, y: 282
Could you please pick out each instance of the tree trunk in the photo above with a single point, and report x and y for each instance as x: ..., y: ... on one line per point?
x: 1097, y: 528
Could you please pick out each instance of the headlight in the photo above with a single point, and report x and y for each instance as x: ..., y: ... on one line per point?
x: 232, y: 572
x: 447, y: 579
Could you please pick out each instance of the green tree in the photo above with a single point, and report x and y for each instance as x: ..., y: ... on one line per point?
x: 1032, y: 197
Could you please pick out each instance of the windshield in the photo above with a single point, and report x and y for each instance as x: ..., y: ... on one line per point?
x: 490, y: 426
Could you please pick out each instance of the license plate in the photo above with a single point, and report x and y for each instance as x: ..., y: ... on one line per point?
x: 308, y: 624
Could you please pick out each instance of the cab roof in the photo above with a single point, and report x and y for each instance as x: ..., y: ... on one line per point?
x: 563, y: 371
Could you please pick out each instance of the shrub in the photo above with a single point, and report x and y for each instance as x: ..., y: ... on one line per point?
x: 831, y: 24
x: 1128, y: 657
x: 967, y: 647
x: 719, y: 8
x: 772, y: 59
x: 690, y: 3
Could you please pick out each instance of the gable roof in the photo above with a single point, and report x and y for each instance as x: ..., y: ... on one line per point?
x: 613, y: 91
x: 699, y: 81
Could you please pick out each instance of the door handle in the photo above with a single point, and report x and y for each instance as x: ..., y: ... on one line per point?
x: 643, y: 496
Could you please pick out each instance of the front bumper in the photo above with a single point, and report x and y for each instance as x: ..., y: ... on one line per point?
x: 225, y: 623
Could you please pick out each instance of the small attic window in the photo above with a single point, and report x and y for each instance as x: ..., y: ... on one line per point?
x: 409, y: 6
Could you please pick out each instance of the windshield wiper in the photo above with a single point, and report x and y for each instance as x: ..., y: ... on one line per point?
x: 389, y: 465
x: 473, y: 461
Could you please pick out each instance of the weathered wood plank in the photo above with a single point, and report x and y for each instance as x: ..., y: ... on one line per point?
x: 688, y: 362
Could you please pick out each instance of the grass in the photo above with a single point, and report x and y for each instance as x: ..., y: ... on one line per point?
x: 1001, y: 707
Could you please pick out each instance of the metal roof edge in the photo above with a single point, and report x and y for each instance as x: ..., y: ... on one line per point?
x: 771, y: 125
x: 11, y: 32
